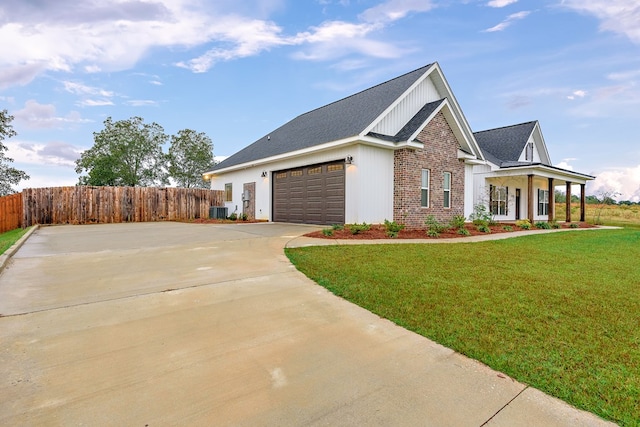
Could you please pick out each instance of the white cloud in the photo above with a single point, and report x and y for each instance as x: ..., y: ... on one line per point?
x: 618, y: 16
x: 80, y: 89
x: 392, y: 10
x: 625, y: 181
x: 37, y: 153
x: 564, y: 164
x: 41, y: 116
x: 577, y: 94
x: 508, y: 21
x: 94, y: 102
x: 501, y: 3
x: 142, y: 103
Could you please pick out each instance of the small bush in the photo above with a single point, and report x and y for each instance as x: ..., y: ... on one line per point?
x: 574, y: 225
x: 480, y: 215
x: 484, y: 228
x: 434, y: 227
x: 244, y: 217
x: 337, y: 227
x: 233, y: 216
x: 555, y: 225
x: 457, y: 221
x: 463, y: 232
x: 543, y: 225
x: 393, y: 228
x: 327, y: 232
x: 507, y: 228
x: 359, y: 228
x: 524, y: 224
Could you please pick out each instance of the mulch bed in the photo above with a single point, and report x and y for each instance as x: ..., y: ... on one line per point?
x: 379, y: 232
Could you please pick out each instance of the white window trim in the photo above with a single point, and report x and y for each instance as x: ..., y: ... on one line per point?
x: 425, y: 188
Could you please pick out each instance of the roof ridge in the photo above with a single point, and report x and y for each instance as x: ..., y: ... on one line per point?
x: 367, y: 89
x: 508, y: 126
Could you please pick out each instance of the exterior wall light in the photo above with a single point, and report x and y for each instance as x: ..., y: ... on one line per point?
x: 348, y: 160
x: 264, y: 174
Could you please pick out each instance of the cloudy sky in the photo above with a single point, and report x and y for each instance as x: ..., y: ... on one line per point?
x: 238, y: 69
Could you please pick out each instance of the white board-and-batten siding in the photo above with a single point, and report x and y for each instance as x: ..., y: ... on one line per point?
x: 404, y: 111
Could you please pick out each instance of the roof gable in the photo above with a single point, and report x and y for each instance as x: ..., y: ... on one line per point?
x: 342, y: 119
x: 505, y: 145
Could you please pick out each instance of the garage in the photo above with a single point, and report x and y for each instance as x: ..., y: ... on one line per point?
x: 310, y: 195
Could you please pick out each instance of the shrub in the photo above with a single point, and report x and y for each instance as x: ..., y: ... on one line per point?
x: 434, y: 228
x: 359, y: 228
x: 393, y: 228
x: 555, y: 225
x: 484, y: 228
x: 337, y: 227
x: 233, y: 216
x: 574, y: 225
x: 457, y: 221
x: 543, y: 225
x: 464, y: 232
x: 507, y: 228
x: 244, y: 217
x: 480, y: 215
x: 524, y: 224
x: 327, y: 232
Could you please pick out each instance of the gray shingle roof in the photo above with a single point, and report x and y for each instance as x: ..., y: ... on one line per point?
x: 345, y: 118
x: 504, y: 145
x: 412, y: 125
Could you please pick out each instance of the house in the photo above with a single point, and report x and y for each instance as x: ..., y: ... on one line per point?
x: 401, y: 150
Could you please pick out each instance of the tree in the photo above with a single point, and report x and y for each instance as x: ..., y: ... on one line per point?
x: 190, y: 154
x: 127, y: 153
x: 8, y: 176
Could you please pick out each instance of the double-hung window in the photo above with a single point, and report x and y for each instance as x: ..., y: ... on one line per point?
x: 446, y: 185
x: 424, y: 196
x: 543, y: 202
x: 498, y: 200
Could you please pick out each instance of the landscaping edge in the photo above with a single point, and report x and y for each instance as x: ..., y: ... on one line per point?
x: 5, y: 257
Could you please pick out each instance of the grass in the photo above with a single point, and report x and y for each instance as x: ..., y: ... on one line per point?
x: 10, y: 237
x: 559, y: 312
x: 617, y: 215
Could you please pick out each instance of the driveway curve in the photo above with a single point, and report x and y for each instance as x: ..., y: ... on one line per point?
x: 159, y: 324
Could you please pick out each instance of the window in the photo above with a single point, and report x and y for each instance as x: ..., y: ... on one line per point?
x: 528, y: 156
x: 543, y: 202
x: 424, y: 202
x: 446, y: 185
x: 228, y: 193
x: 333, y: 168
x: 498, y: 200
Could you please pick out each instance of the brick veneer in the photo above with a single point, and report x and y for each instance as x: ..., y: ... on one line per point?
x: 440, y: 154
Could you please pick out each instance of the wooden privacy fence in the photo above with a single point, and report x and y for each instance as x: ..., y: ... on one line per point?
x: 10, y: 212
x: 97, y: 205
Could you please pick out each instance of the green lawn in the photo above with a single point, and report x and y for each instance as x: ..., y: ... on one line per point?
x: 10, y: 237
x: 560, y: 312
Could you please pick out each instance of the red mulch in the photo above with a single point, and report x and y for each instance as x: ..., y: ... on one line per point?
x: 379, y: 232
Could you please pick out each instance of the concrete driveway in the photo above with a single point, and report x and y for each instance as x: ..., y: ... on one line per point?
x: 160, y: 324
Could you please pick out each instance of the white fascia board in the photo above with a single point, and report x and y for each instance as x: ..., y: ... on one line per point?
x: 398, y: 100
x: 464, y: 124
x: 542, y: 171
x: 538, y: 130
x: 292, y: 154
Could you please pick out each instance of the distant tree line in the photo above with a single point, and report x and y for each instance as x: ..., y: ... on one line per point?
x: 129, y: 153
x: 605, y: 198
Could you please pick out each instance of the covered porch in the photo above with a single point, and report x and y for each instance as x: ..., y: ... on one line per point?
x: 529, y: 192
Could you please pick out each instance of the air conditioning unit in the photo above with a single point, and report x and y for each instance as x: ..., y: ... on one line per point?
x: 218, y: 212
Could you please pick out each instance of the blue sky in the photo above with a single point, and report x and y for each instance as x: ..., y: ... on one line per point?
x: 238, y: 69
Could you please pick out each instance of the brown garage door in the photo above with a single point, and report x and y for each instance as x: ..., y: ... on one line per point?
x: 310, y: 194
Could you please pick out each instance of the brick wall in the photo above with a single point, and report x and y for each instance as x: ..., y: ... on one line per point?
x: 440, y: 154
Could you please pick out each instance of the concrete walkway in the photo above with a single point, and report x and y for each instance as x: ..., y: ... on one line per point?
x: 160, y: 324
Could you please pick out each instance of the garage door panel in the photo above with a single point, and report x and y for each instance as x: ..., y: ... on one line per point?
x: 313, y: 194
